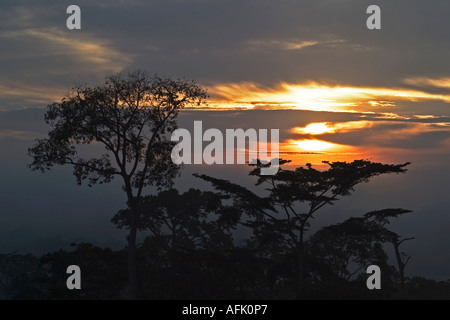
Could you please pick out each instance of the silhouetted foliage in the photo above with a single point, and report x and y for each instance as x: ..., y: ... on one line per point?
x: 187, y: 221
x: 103, y: 273
x: 190, y: 251
x: 280, y: 220
x: 131, y: 118
x: 381, y: 218
x: 419, y: 288
x: 19, y: 276
x: 343, y: 251
x: 234, y: 273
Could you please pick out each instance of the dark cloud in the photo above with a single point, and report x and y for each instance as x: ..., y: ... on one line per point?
x: 259, y: 41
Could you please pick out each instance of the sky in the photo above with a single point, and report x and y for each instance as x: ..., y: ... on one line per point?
x: 336, y: 91
x: 254, y: 53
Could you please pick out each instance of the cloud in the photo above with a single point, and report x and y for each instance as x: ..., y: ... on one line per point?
x: 317, y: 97
x: 366, y: 136
x: 394, y: 131
x: 36, y: 94
x: 429, y: 82
x: 280, y: 44
x: 39, y: 65
x: 17, y: 135
x: 318, y: 128
x: 294, y: 44
x: 97, y: 53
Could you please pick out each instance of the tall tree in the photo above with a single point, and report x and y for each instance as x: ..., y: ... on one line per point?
x: 381, y: 219
x: 131, y: 117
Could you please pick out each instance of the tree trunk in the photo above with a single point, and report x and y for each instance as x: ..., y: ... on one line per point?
x: 132, y: 265
x: 401, y: 265
x: 301, y: 266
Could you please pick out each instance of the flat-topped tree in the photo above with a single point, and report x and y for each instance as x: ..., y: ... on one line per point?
x: 132, y: 118
x: 281, y: 219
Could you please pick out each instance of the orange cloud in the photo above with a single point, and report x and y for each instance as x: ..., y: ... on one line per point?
x: 314, y: 96
x: 423, y: 81
x: 318, y: 128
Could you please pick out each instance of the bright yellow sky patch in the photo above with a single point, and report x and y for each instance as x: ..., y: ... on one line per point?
x: 314, y: 145
x: 315, y: 128
x: 314, y: 96
x: 318, y: 128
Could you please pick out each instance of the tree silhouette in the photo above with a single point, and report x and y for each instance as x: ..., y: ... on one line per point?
x: 18, y: 276
x: 190, y: 238
x: 103, y: 273
x: 345, y: 249
x: 281, y: 219
x: 187, y: 221
x: 381, y: 218
x: 131, y: 117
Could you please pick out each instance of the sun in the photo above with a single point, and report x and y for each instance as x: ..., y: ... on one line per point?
x: 318, y: 128
x: 314, y: 145
x: 315, y: 129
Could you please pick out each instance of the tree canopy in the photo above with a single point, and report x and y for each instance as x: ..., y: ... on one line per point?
x: 280, y: 220
x: 131, y: 117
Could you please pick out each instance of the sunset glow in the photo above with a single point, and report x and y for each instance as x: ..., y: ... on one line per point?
x: 327, y: 127
x: 315, y: 128
x: 315, y: 145
x: 314, y: 96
